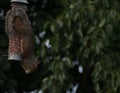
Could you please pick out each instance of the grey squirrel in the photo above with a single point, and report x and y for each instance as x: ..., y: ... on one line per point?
x: 29, y: 62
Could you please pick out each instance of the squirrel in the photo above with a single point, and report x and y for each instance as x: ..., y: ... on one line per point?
x: 29, y: 62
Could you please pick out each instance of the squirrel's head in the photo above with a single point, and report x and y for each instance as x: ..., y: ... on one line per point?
x: 30, y: 65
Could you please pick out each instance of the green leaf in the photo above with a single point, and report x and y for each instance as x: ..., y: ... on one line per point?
x: 102, y: 23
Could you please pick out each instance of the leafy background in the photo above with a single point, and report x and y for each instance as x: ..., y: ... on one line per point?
x: 77, y: 42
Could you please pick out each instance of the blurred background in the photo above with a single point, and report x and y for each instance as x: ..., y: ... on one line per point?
x: 77, y: 42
